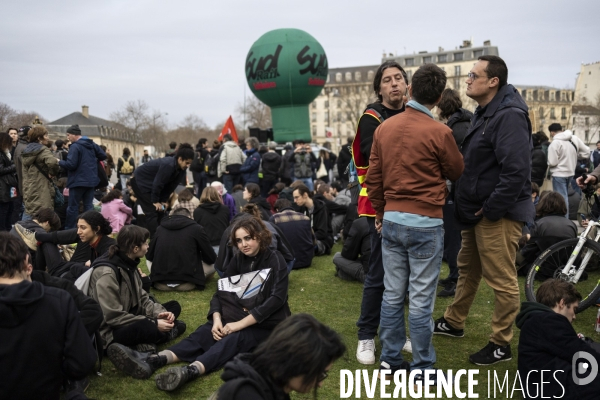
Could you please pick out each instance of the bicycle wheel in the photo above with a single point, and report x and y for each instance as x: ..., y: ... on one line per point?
x: 551, y: 262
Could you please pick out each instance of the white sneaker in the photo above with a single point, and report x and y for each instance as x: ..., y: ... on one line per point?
x: 365, y: 353
x: 407, y: 346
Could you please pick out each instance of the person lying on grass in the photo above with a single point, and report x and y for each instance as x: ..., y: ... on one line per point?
x: 238, y: 322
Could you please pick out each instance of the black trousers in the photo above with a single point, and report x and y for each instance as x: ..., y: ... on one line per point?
x: 144, y: 331
x: 153, y: 217
x: 214, y: 354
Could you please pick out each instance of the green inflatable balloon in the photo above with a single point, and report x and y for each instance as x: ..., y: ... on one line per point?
x: 286, y: 69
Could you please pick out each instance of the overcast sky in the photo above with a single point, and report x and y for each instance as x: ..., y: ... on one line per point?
x: 187, y: 57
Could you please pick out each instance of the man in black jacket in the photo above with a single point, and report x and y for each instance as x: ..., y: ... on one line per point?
x: 271, y: 163
x: 492, y: 202
x: 343, y: 160
x: 42, y: 335
x: 178, y: 251
x: 318, y: 214
x: 296, y: 229
x: 353, y: 262
x: 549, y: 345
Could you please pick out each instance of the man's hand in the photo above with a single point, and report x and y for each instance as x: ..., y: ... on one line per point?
x: 478, y: 213
x: 158, y: 206
x: 590, y: 179
x: 164, y: 325
x: 378, y: 225
x: 169, y: 316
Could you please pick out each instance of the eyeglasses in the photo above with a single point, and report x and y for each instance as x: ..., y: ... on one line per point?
x: 323, y: 376
x: 472, y: 76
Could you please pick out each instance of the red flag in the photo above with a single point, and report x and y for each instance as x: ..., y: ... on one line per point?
x: 229, y: 128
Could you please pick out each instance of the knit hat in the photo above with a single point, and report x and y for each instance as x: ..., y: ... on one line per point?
x: 74, y: 130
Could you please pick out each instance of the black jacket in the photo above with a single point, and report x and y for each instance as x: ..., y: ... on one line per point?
x: 271, y: 163
x: 287, y: 168
x: 342, y: 163
x: 242, y: 382
x: 497, y: 157
x: 549, y: 342
x: 263, y: 206
x: 177, y: 251
x: 43, y: 341
x: 157, y: 179
x: 320, y: 222
x: 89, y: 310
x: 460, y: 122
x: 214, y: 218
x: 296, y: 229
x: 6, y: 167
x: 539, y: 165
x: 357, y: 245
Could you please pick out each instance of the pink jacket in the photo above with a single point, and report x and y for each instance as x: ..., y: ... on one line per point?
x: 117, y: 213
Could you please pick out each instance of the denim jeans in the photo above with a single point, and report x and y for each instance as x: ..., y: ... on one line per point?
x: 308, y: 182
x: 229, y: 181
x: 561, y: 184
x: 77, y: 194
x: 412, y: 258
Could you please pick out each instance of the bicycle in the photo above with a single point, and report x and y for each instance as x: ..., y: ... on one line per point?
x: 573, y: 260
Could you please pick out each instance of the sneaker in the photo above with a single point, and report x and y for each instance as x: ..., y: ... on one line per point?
x: 387, y: 367
x: 146, y: 348
x: 133, y: 363
x: 407, y: 346
x: 176, y: 377
x: 491, y: 354
x: 27, y: 235
x: 449, y: 290
x: 442, y: 327
x: 365, y: 353
x: 178, y: 330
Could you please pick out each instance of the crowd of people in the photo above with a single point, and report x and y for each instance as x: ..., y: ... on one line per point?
x: 406, y: 192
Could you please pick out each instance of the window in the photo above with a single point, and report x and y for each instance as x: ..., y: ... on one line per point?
x: 443, y: 58
x: 427, y: 60
x: 562, y: 96
x: 314, y: 104
x: 573, y: 121
x: 477, y: 54
x: 458, y: 56
x: 457, y: 70
x: 587, y: 121
x: 587, y: 136
x: 313, y: 117
x: 357, y: 76
x: 348, y: 76
x: 338, y: 77
x: 542, y: 112
x: 338, y: 117
x: 552, y: 95
x: 456, y: 83
x: 409, y: 62
x: 524, y: 94
x: 339, y: 103
x: 552, y: 114
x: 370, y: 75
x: 326, y: 103
x: 326, y: 117
x: 314, y: 130
x: 563, y: 113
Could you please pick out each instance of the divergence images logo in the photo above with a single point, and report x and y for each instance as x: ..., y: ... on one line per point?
x: 265, y: 69
x: 581, y: 368
x: 319, y: 70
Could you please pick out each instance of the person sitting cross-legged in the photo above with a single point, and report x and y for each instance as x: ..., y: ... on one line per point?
x: 297, y: 229
x: 236, y: 325
x: 352, y: 264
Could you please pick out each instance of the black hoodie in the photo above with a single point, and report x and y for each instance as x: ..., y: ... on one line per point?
x: 263, y: 206
x: 177, y: 251
x: 214, y: 218
x: 320, y: 222
x: 271, y: 163
x: 242, y: 382
x: 42, y: 341
x: 460, y: 122
x: 549, y: 342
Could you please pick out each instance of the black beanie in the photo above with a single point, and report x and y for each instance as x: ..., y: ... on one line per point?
x: 24, y: 130
x: 74, y: 130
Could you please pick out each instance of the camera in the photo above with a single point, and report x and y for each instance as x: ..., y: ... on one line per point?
x: 589, y: 189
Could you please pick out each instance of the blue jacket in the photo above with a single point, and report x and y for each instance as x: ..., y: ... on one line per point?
x: 250, y: 167
x: 497, y: 157
x: 82, y: 163
x: 159, y: 178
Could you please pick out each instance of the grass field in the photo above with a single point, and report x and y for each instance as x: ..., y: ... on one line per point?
x: 336, y: 303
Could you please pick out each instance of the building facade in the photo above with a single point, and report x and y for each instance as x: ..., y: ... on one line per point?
x: 548, y: 105
x: 585, y: 123
x: 103, y: 132
x: 587, y: 87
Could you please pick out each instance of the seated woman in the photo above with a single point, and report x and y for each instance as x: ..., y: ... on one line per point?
x: 550, y: 227
x: 131, y: 318
x: 295, y: 357
x: 115, y: 210
x: 91, y: 237
x: 212, y: 215
x: 252, y: 195
x: 235, y: 325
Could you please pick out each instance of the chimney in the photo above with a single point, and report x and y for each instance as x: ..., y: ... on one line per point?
x: 487, y: 43
x: 85, y: 110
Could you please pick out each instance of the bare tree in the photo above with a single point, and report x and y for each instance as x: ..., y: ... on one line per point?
x: 10, y: 117
x: 190, y: 130
x: 154, y: 134
x: 134, y: 115
x: 255, y: 113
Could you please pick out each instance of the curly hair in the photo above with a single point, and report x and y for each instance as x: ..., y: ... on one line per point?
x: 97, y: 222
x: 255, y: 228
x: 110, y: 196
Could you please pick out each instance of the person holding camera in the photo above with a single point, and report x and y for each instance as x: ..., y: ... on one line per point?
x: 303, y: 159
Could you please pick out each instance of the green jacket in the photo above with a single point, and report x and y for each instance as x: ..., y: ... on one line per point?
x: 38, y: 192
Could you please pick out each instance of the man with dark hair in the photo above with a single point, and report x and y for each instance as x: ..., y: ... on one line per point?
x: 319, y: 221
x: 146, y: 157
x: 548, y: 342
x: 335, y: 211
x: 296, y: 228
x: 411, y: 158
x: 390, y: 84
x: 343, y: 160
x: 231, y: 158
x: 352, y: 264
x: 172, y: 149
x: 303, y: 159
x: 595, y: 157
x: 492, y: 202
x: 198, y: 166
x: 43, y: 338
x: 82, y: 167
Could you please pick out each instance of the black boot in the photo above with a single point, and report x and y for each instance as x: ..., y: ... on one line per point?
x: 178, y: 330
x: 176, y: 377
x: 134, y: 363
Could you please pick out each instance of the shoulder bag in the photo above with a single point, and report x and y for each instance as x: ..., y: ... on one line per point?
x: 59, y: 199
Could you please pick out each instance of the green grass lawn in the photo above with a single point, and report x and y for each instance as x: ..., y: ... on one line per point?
x: 317, y: 291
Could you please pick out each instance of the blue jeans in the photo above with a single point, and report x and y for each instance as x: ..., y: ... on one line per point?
x: 229, y: 181
x: 77, y: 194
x: 308, y: 182
x: 561, y: 185
x: 412, y: 258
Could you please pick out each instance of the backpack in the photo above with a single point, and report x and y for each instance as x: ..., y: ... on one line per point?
x: 198, y: 163
x: 83, y: 282
x: 211, y: 164
x: 127, y: 168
